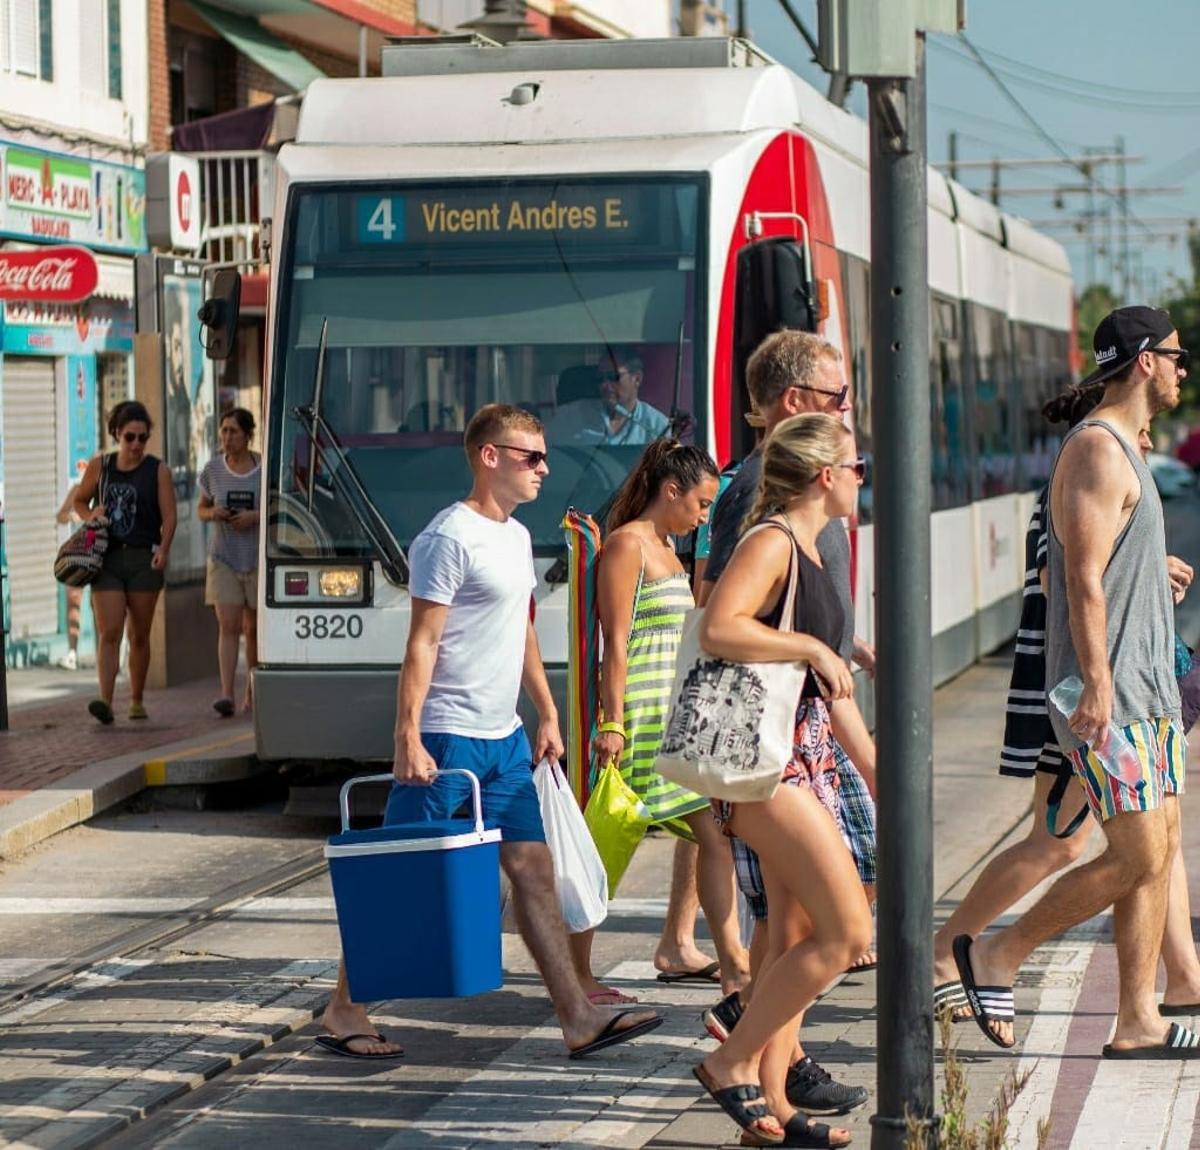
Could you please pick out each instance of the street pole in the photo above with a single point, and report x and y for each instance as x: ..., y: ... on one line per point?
x: 900, y: 432
x: 953, y: 150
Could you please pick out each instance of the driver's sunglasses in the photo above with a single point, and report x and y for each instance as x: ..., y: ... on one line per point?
x: 859, y: 467
x: 532, y: 458
x: 136, y: 436
x: 1180, y: 355
x: 839, y: 395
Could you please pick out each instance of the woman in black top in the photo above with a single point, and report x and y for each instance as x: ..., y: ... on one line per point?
x: 819, y: 920
x: 133, y: 491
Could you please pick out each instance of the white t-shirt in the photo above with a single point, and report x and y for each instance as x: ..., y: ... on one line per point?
x: 483, y: 571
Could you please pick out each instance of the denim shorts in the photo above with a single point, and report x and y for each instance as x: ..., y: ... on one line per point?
x: 504, y: 768
x: 128, y: 569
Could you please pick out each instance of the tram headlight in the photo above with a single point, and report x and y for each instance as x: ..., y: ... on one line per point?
x: 341, y: 583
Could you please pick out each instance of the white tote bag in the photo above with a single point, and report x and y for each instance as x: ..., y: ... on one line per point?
x: 579, y: 874
x: 731, y: 725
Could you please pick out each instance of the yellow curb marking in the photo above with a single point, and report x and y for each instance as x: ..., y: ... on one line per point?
x: 155, y: 770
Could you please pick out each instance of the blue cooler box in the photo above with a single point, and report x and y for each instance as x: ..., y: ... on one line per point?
x: 418, y: 905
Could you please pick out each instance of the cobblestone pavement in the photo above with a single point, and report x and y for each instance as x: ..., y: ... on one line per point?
x: 47, y: 742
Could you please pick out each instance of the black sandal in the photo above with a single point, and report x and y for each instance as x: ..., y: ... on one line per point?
x: 743, y: 1103
x: 806, y: 1134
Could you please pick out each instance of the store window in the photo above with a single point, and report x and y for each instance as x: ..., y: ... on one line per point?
x: 26, y: 38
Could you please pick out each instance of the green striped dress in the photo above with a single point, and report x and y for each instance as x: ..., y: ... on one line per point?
x: 650, y: 673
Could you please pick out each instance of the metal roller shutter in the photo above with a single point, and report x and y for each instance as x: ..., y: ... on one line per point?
x: 30, y: 493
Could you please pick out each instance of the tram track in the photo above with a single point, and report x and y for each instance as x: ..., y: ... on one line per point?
x: 170, y: 926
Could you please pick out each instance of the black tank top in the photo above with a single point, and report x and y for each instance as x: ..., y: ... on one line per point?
x: 131, y: 502
x: 819, y: 611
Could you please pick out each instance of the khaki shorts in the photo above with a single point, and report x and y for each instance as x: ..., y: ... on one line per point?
x: 225, y: 587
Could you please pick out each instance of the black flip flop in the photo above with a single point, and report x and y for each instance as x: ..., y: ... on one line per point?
x: 1181, y: 1044
x: 862, y: 967
x: 1179, y: 1009
x: 341, y: 1046
x: 610, y: 1035
x: 100, y: 711
x: 805, y: 1134
x: 950, y: 996
x: 706, y: 974
x: 987, y: 1003
x: 739, y: 1103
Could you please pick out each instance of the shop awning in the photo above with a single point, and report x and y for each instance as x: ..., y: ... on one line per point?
x: 267, y: 51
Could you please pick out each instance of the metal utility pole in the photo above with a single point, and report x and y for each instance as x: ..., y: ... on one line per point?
x: 952, y: 152
x: 900, y: 432
x: 1126, y: 270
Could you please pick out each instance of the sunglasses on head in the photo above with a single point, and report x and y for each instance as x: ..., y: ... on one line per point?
x: 136, y: 436
x: 532, y: 458
x: 1180, y: 355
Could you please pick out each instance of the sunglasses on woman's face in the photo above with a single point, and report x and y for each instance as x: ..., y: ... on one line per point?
x: 859, y: 466
x: 136, y: 436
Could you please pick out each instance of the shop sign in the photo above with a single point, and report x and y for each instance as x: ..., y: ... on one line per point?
x: 173, y: 208
x: 53, y: 196
x: 48, y: 275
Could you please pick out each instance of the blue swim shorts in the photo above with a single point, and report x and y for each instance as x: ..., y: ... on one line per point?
x: 504, y: 768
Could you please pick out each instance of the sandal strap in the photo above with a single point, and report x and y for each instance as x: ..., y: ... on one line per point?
x: 748, y: 1097
x: 997, y: 1001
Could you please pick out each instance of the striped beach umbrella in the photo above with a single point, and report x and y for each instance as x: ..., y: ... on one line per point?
x: 583, y: 647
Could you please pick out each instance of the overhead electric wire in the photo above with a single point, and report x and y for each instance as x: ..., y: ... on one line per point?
x: 1054, y: 145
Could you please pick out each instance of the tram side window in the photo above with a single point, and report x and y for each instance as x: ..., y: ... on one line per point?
x: 856, y: 282
x: 995, y: 426
x: 950, y: 456
x: 1043, y: 363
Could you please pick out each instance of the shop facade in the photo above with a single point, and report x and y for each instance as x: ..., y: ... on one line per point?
x: 62, y: 367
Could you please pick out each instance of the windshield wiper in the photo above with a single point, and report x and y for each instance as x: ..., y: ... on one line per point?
x: 345, y: 478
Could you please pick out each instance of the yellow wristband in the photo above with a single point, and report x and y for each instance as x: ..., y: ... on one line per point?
x: 612, y: 729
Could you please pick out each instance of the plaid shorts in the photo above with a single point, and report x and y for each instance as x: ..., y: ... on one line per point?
x: 857, y: 825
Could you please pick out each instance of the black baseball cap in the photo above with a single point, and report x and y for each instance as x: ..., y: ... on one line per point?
x: 1123, y: 335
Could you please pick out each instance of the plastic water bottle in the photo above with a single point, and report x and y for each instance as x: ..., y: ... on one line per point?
x: 1114, y: 752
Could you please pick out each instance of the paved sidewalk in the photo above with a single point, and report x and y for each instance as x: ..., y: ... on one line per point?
x: 48, y: 742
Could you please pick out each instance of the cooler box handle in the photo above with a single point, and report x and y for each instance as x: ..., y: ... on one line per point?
x: 344, y: 794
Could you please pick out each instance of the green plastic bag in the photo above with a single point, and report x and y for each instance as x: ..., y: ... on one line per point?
x: 618, y: 820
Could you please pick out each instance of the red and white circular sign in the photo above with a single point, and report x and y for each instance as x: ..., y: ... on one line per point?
x: 49, y: 275
x: 183, y: 200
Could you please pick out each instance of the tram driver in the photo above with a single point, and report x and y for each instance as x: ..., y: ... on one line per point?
x: 615, y: 416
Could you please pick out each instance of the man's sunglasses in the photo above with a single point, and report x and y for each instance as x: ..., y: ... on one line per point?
x: 136, y: 436
x: 1180, y: 355
x: 859, y: 466
x: 532, y: 458
x: 839, y: 395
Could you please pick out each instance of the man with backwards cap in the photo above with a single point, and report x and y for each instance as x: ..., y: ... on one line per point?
x: 1110, y: 621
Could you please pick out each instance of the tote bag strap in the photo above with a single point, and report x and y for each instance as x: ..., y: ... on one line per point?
x: 787, y: 620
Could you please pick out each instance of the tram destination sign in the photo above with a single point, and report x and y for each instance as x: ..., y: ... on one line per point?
x: 597, y: 214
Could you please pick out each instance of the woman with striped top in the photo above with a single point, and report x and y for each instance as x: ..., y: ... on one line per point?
x: 643, y: 594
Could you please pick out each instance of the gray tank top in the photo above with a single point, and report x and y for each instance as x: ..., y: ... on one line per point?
x: 1141, y: 614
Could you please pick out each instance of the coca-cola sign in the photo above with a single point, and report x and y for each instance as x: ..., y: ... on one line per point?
x: 49, y: 275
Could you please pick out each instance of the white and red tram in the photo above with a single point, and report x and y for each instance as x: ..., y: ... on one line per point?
x: 485, y: 223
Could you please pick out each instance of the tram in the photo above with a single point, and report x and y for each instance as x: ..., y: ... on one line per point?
x: 486, y: 223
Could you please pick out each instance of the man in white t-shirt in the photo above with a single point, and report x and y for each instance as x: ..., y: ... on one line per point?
x: 471, y: 648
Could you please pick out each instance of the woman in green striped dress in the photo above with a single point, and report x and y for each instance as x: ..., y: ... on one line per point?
x: 642, y: 596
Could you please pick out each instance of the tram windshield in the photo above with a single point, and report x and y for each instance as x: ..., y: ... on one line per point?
x: 576, y: 300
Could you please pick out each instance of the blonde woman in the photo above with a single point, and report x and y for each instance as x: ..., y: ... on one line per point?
x: 820, y: 921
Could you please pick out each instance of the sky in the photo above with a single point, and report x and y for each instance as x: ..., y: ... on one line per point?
x: 1101, y: 71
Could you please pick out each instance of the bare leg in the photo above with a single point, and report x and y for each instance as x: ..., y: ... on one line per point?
x: 229, y: 633
x: 677, y: 949
x: 531, y: 872
x: 1179, y: 947
x: 718, y: 895
x: 1136, y: 858
x: 74, y: 606
x: 1010, y: 876
x: 141, y: 616
x: 109, y: 609
x: 343, y: 1017
x: 250, y: 630
x: 580, y: 945
x: 801, y: 852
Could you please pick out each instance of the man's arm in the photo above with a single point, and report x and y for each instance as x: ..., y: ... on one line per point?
x: 1092, y: 485
x: 549, y: 740
x: 413, y: 764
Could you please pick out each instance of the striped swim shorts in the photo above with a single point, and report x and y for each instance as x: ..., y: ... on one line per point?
x: 1162, y: 752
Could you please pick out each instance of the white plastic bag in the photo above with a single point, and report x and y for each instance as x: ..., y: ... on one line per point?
x: 578, y: 872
